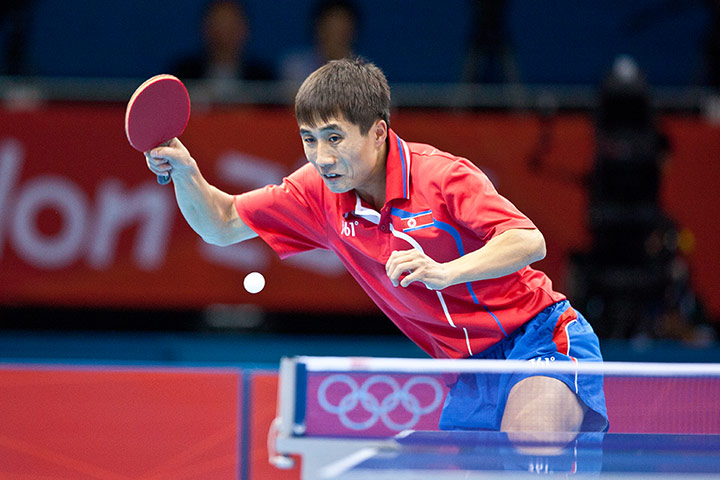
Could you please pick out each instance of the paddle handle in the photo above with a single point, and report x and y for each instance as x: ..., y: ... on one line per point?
x: 164, y: 179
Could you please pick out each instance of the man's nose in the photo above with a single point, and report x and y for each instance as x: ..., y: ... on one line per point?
x: 325, y: 156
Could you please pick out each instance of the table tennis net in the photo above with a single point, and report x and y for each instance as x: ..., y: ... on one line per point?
x: 380, y: 397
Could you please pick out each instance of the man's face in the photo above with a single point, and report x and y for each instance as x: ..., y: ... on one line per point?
x: 345, y: 158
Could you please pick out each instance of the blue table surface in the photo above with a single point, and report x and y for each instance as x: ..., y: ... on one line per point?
x: 588, y: 452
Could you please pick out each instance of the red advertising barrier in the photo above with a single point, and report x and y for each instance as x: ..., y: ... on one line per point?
x: 181, y: 423
x: 263, y: 398
x: 119, y: 423
x: 82, y: 222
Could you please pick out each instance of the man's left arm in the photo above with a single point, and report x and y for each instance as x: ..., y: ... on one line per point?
x: 502, y: 255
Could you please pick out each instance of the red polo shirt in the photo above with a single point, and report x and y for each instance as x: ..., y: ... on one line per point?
x: 436, y: 202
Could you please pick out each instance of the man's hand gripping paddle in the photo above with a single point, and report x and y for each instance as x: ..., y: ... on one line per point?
x: 157, y: 112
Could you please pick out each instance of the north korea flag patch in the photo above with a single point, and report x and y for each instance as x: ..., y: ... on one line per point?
x: 415, y: 221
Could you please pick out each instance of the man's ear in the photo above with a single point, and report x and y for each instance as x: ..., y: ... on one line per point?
x: 380, y: 132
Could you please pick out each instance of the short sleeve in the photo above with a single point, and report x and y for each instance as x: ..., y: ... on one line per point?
x: 474, y: 202
x: 288, y: 217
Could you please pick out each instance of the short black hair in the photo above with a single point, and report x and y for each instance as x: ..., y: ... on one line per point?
x: 353, y: 88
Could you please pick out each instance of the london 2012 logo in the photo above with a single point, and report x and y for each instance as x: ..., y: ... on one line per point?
x: 359, y: 406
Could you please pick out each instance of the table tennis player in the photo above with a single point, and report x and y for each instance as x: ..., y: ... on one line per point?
x: 429, y: 239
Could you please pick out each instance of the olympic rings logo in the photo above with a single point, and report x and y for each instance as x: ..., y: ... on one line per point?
x: 379, y: 409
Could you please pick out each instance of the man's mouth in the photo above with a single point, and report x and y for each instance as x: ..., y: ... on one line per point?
x: 331, y: 176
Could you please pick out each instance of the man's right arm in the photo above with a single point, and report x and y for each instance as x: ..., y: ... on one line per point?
x: 207, y: 209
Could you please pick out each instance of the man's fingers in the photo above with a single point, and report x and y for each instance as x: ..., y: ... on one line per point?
x: 171, y: 148
x: 157, y: 165
x: 398, y: 256
x: 412, y: 276
x: 399, y: 265
x: 159, y: 152
x: 408, y: 266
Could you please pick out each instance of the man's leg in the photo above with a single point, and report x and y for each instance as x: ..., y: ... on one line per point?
x: 542, y: 409
x: 542, y: 404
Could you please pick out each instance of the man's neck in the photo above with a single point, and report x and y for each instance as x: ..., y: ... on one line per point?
x: 375, y: 192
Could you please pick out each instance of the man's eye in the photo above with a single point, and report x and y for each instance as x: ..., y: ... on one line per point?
x: 309, y: 140
x: 334, y: 138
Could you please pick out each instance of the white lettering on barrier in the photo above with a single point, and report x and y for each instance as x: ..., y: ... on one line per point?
x: 117, y: 209
x: 246, y: 172
x: 11, y: 153
x: 89, y: 231
x: 84, y: 230
x: 250, y: 255
x: 49, y: 251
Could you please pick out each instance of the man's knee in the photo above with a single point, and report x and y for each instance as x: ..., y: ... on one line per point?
x: 542, y: 404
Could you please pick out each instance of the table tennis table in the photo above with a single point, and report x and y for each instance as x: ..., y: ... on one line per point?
x: 480, y: 455
x: 338, y: 446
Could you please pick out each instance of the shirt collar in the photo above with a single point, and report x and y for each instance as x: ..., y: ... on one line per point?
x: 397, y: 184
x: 398, y: 169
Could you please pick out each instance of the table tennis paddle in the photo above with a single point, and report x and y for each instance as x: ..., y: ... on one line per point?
x: 157, y: 112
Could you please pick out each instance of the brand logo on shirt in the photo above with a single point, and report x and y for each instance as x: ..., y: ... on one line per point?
x: 348, y: 228
x: 416, y: 221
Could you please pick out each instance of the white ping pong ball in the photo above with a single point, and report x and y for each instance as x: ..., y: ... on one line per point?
x: 254, y: 282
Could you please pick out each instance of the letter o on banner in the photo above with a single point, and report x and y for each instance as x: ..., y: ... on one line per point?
x: 58, y: 250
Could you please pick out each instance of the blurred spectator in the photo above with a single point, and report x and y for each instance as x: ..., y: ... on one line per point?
x: 634, y: 281
x: 335, y: 25
x: 490, y: 57
x: 15, y: 19
x: 225, y: 32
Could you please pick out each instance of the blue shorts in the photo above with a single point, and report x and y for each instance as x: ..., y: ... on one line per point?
x: 558, y: 333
